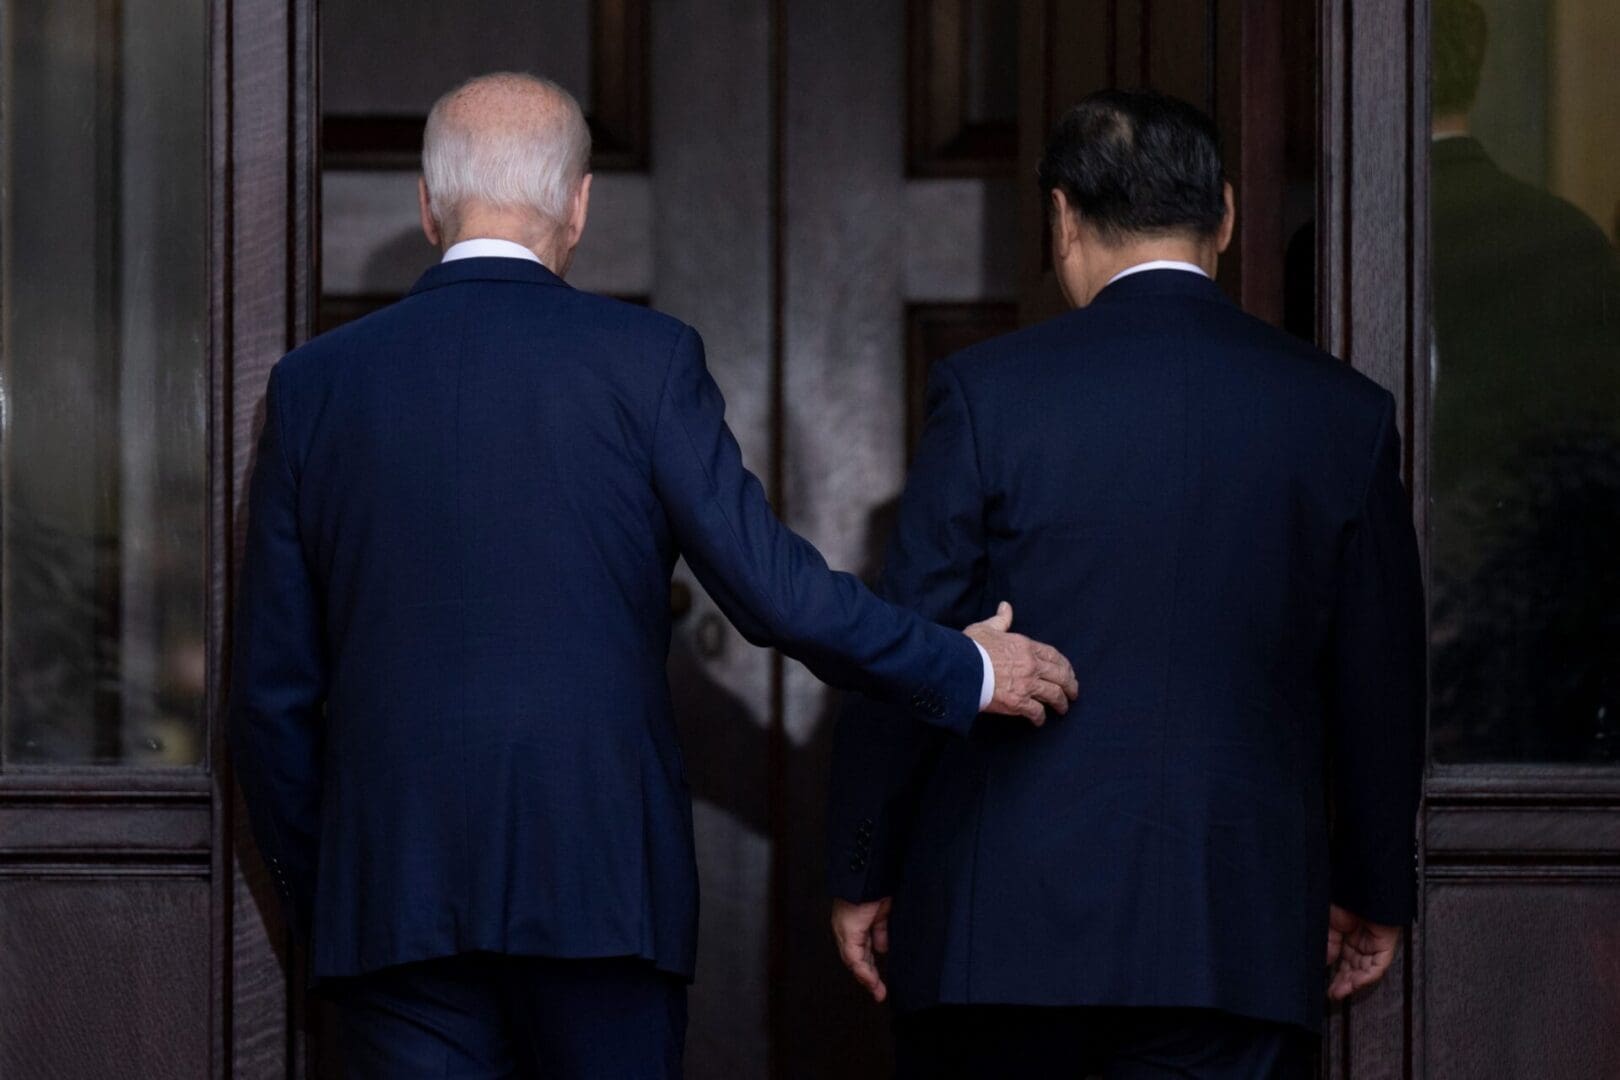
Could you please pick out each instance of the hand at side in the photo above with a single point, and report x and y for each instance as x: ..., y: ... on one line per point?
x: 862, y: 932
x: 1359, y: 951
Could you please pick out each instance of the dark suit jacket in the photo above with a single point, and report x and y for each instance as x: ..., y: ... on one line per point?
x: 1526, y: 316
x: 449, y: 711
x: 1207, y: 517
x: 1524, y: 470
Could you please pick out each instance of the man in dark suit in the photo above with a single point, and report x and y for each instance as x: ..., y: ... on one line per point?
x: 1525, y: 446
x: 449, y: 710
x: 1207, y: 516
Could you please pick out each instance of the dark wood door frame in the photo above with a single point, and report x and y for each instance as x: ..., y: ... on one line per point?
x: 1480, y: 823
x: 266, y: 221
x: 1486, y: 823
x: 1371, y: 216
x: 116, y: 830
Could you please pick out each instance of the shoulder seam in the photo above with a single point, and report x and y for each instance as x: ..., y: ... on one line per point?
x: 663, y: 391
x: 1386, y: 419
x: 948, y: 369
x: 273, y: 416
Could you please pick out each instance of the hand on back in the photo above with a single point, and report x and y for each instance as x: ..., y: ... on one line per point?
x: 1030, y: 677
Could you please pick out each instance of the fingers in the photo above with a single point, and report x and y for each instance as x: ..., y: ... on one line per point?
x: 1001, y: 621
x: 1360, y: 965
x: 1051, y: 695
x: 858, y: 959
x: 1033, y: 711
x: 1055, y: 667
x: 859, y: 929
x: 1340, y: 987
x: 1030, y: 698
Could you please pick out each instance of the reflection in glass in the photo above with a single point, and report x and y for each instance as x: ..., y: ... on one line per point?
x: 103, y: 381
x: 1525, y: 436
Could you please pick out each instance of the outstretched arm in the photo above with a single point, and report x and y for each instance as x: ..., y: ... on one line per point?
x: 778, y: 591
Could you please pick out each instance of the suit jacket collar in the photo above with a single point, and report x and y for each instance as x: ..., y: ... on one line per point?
x: 1458, y: 150
x: 485, y: 269
x: 1162, y: 283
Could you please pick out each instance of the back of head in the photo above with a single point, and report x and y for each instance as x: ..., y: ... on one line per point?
x: 1459, y: 34
x: 1137, y: 163
x: 505, y: 142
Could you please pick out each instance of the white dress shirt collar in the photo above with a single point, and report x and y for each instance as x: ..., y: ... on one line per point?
x: 485, y: 247
x: 1157, y: 264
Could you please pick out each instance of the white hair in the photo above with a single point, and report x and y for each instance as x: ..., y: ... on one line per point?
x: 521, y: 159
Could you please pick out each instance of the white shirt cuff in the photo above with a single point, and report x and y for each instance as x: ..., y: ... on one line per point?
x: 987, y: 689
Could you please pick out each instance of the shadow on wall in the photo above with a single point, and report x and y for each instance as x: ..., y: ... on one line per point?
x: 825, y: 1025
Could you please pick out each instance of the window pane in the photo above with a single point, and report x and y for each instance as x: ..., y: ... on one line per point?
x: 1525, y: 442
x: 104, y: 369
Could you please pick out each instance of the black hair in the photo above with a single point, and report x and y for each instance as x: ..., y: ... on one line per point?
x: 1137, y: 162
x: 1459, y: 31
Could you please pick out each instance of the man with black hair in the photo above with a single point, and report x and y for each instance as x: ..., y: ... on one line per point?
x: 1206, y: 515
x: 1525, y: 446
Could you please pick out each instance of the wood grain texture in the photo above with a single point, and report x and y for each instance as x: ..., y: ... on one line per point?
x: 219, y: 532
x: 104, y: 977
x: 1364, y: 298
x: 1377, y: 270
x: 616, y: 102
x: 943, y: 137
x: 711, y: 265
x: 1520, y: 975
x: 74, y: 825
x: 961, y: 240
x: 269, y: 270
x: 372, y: 244
x: 843, y: 198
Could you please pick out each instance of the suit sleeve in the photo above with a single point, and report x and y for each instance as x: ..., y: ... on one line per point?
x: 1377, y: 687
x: 278, y: 677
x: 936, y: 565
x: 773, y: 585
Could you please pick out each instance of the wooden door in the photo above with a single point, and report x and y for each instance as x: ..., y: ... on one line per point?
x: 155, y: 264
x: 1510, y: 970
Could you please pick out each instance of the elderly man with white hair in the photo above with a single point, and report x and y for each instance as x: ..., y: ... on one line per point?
x: 449, y: 711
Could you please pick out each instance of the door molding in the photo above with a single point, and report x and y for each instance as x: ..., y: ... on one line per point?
x: 266, y: 193
x: 1480, y: 824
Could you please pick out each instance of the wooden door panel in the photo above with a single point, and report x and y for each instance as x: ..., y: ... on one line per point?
x: 105, y: 972
x: 1521, y: 972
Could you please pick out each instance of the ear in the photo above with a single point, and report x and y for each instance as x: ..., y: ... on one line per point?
x: 430, y: 228
x: 1223, y: 238
x: 1065, y: 226
x: 581, y: 211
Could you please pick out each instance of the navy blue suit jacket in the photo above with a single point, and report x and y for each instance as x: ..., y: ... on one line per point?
x: 449, y: 712
x: 1206, y: 515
